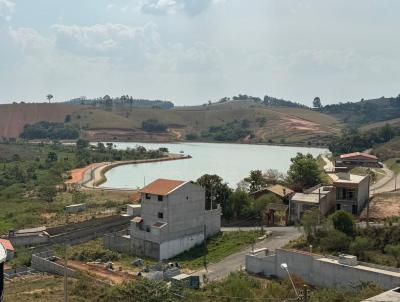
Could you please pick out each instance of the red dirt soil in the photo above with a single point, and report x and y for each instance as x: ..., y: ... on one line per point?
x: 116, y: 277
x: 13, y: 117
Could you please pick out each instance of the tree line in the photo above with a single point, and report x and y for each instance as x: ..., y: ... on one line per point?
x: 124, y: 101
x: 49, y: 130
x: 352, y: 140
x: 239, y: 203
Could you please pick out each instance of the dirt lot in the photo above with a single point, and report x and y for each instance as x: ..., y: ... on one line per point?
x: 98, y: 270
x: 383, y: 206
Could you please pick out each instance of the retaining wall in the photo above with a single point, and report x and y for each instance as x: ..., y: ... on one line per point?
x: 322, y: 271
x: 42, y: 262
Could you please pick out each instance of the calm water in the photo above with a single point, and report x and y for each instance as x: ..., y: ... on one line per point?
x: 232, y: 162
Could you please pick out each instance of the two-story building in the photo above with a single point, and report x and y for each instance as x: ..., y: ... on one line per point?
x: 352, y: 192
x: 173, y: 219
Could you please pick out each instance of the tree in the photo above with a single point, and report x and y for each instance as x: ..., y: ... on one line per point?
x: 256, y: 181
x: 239, y: 204
x: 52, y: 157
x: 47, y: 193
x: 141, y: 290
x: 343, y: 221
x: 394, y: 250
x: 317, y: 102
x: 153, y: 125
x: 274, y: 176
x: 217, y: 192
x: 49, y: 97
x: 387, y: 132
x: 303, y: 172
x: 310, y: 221
x: 335, y: 241
x: 82, y: 143
x: 359, y: 246
x: 261, y: 202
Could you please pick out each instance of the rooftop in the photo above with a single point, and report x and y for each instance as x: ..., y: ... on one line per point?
x: 280, y: 190
x: 7, y: 244
x: 162, y: 186
x: 356, y: 154
x: 392, y: 295
x: 351, y: 178
x: 312, y: 196
x: 306, y: 198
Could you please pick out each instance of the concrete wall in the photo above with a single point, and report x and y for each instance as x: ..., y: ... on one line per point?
x: 321, y: 271
x: 363, y: 194
x: 177, y: 246
x: 133, y: 210
x: 118, y: 242
x: 213, y: 221
x: 41, y: 263
x: 28, y: 239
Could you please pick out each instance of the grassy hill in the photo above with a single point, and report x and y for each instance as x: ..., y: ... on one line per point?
x: 266, y: 124
x: 391, y: 149
x: 366, y: 112
x: 13, y: 117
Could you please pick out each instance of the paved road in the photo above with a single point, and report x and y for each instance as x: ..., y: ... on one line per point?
x: 328, y: 164
x: 387, y: 183
x: 279, y: 237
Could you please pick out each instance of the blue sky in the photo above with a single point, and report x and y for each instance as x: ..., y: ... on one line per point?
x: 191, y: 51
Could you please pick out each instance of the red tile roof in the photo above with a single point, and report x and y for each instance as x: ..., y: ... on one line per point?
x: 162, y: 186
x: 7, y: 244
x: 354, y: 154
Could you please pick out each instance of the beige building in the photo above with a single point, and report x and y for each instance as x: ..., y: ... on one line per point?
x: 352, y: 192
x: 318, y: 197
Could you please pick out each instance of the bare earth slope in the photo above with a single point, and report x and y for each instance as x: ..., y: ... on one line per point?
x: 13, y: 117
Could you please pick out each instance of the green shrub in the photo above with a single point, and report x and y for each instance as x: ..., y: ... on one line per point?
x: 335, y: 241
x: 343, y: 222
x: 153, y: 125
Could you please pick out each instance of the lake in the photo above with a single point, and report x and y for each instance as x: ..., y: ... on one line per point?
x: 232, y: 162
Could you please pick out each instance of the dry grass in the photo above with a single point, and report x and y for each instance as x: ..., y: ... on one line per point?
x: 13, y: 117
x: 291, y: 124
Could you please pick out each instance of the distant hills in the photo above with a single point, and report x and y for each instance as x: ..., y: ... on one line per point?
x: 240, y: 118
x: 365, y: 112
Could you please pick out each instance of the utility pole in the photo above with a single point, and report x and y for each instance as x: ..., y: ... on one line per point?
x: 66, y: 260
x: 205, y: 247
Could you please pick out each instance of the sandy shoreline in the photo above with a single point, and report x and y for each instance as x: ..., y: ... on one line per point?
x: 93, y: 175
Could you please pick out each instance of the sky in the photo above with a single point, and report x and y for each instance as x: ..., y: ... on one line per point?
x: 192, y: 51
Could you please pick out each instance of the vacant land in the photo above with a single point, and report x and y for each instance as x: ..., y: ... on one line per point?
x: 388, y: 150
x: 266, y: 124
x: 35, y: 289
x: 14, y: 117
x: 383, y: 206
x: 218, y: 247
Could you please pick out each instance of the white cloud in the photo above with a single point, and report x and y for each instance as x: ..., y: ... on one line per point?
x: 6, y: 10
x: 161, y: 7
x: 106, y: 39
x: 29, y: 40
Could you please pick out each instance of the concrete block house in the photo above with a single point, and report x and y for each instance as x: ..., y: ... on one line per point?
x: 173, y: 219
